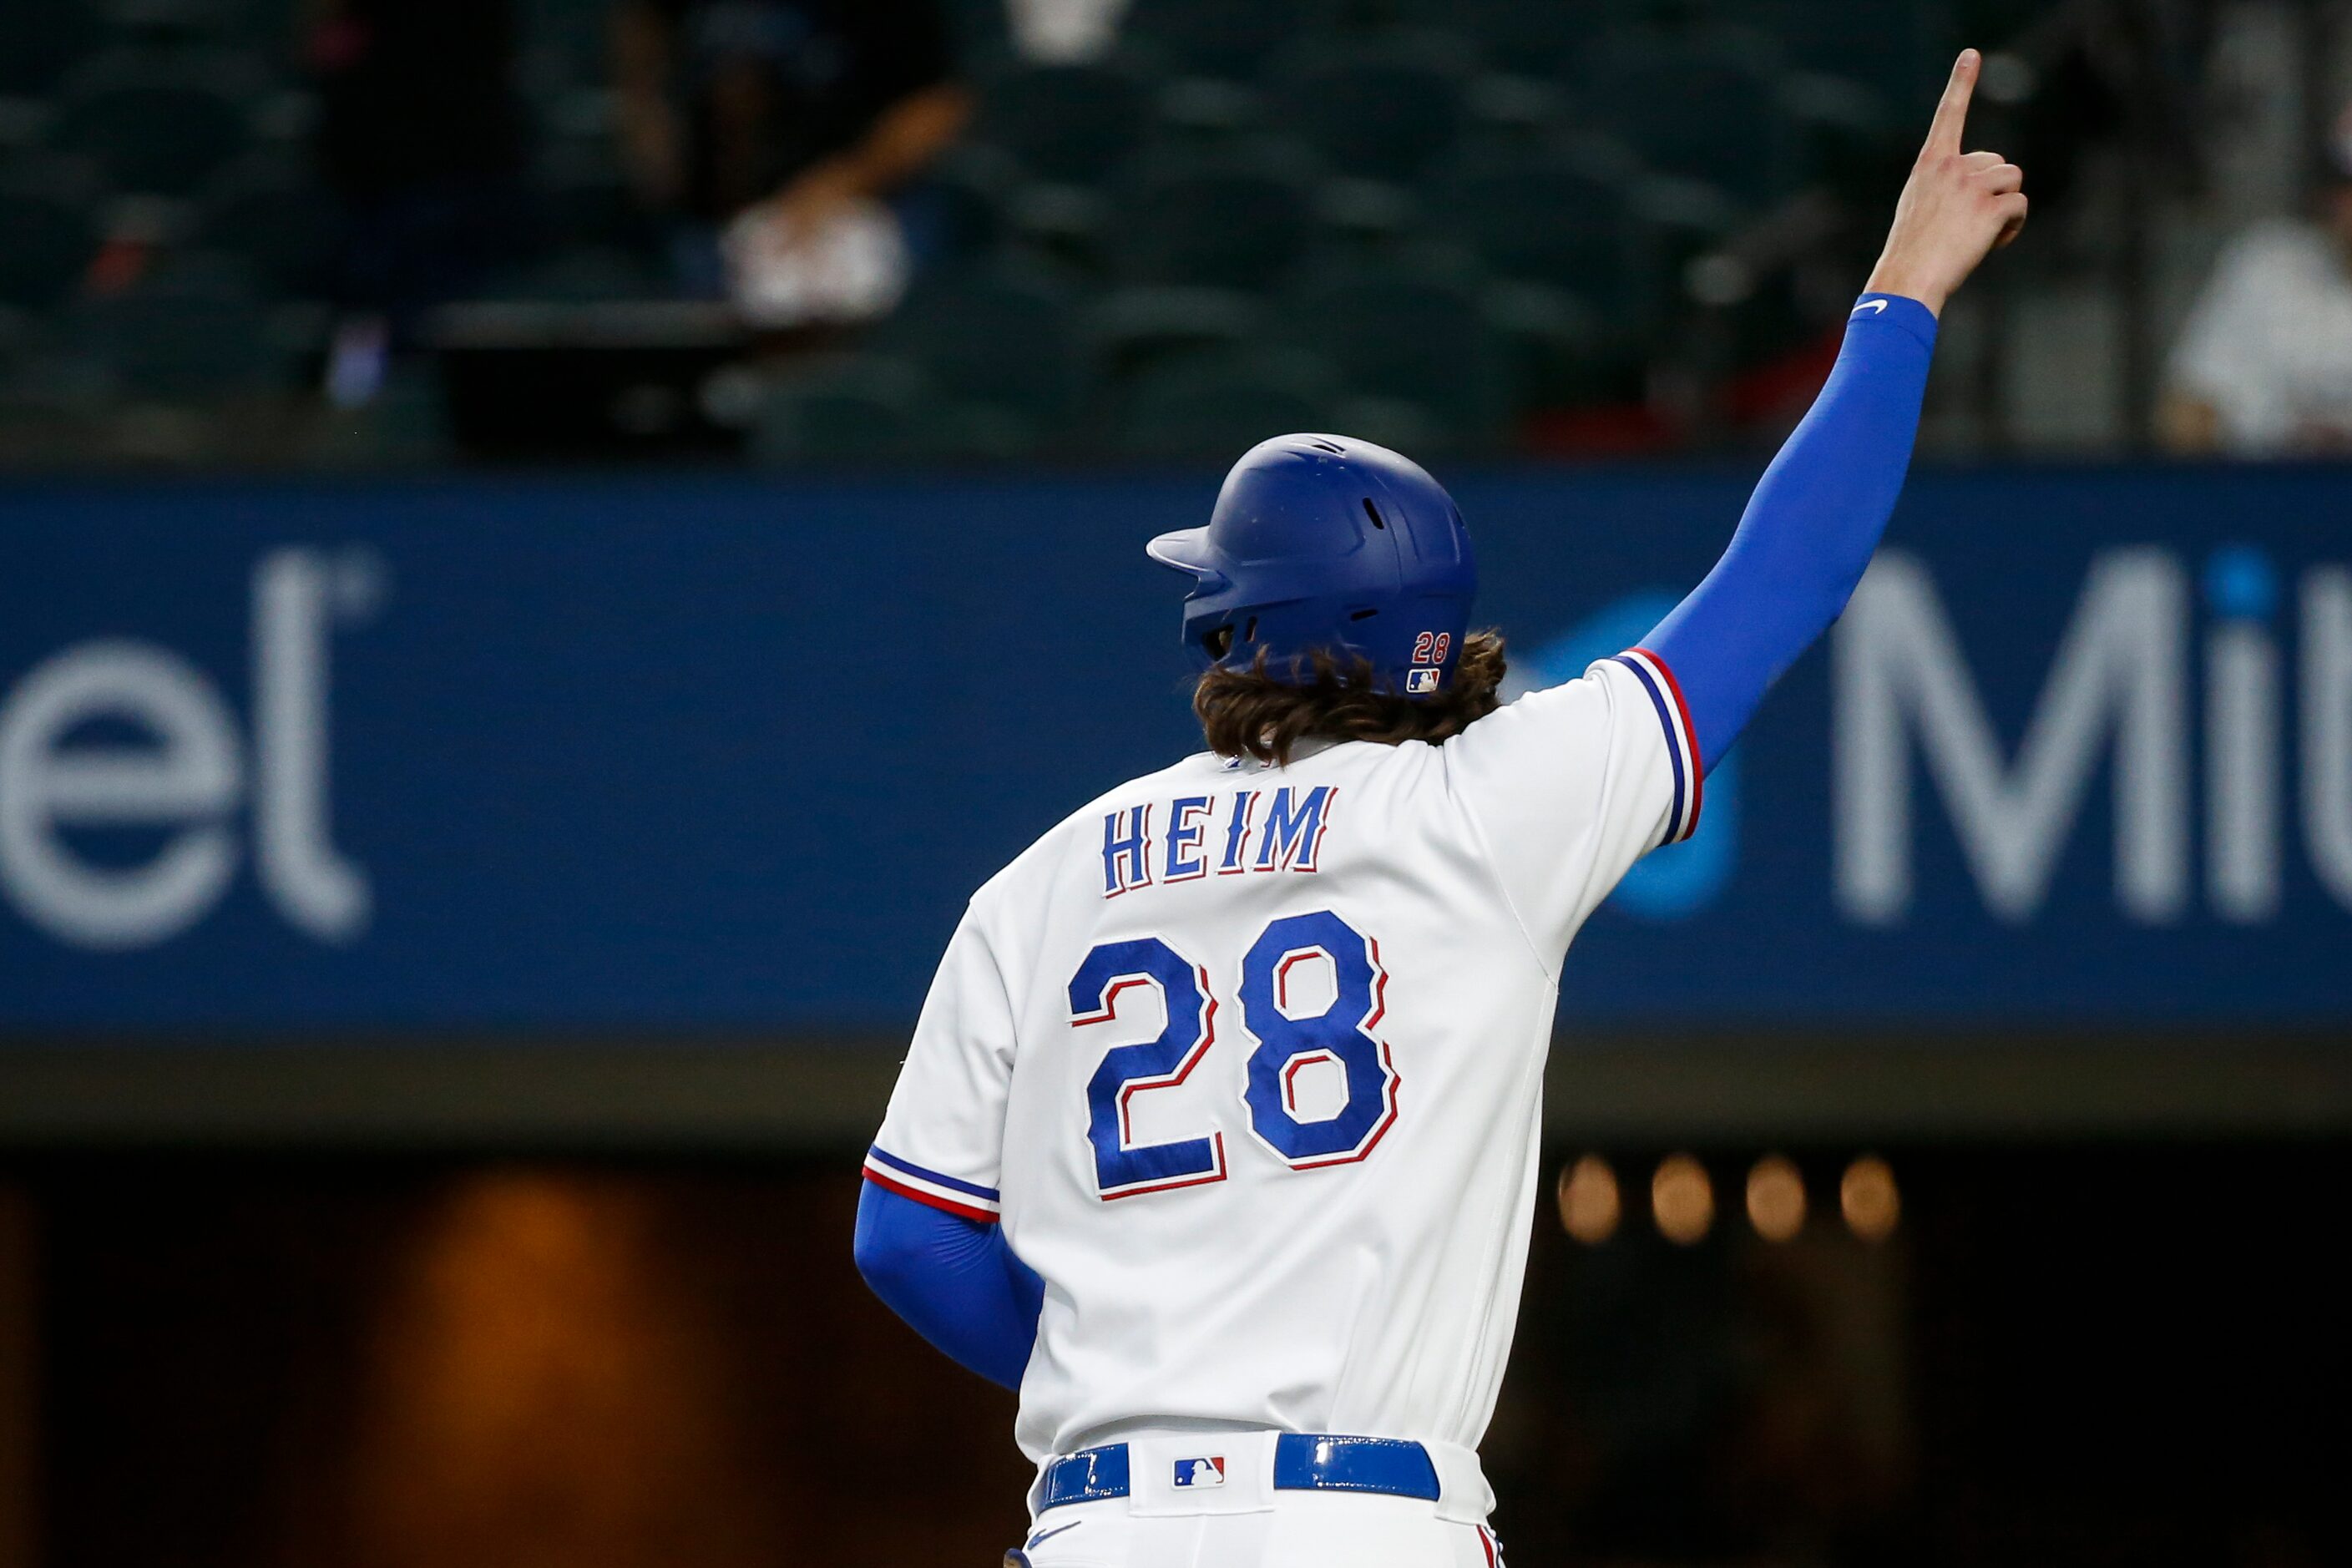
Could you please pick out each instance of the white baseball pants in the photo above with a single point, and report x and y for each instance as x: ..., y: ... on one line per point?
x: 1301, y: 1530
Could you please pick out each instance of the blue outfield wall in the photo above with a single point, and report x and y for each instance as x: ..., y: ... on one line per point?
x: 623, y: 753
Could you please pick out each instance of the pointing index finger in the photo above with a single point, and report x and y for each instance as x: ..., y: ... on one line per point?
x: 1952, y: 110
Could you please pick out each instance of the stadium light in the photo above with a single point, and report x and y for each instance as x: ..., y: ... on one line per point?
x: 1590, y: 1207
x: 1776, y: 1198
x: 1682, y: 1199
x: 1868, y: 1196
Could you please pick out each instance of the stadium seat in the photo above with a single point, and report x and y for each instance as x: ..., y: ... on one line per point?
x: 19, y: 349
x: 1130, y: 328
x: 1547, y: 220
x: 1503, y: 111
x: 1898, y: 53
x: 1075, y: 123
x: 181, y: 21
x: 563, y: 44
x: 1233, y: 38
x: 1386, y: 110
x: 584, y: 197
x: 860, y: 409
x: 1571, y: 293
x: 1557, y: 350
x: 1646, y: 89
x: 1528, y: 37
x: 992, y: 336
x: 47, y: 240
x: 979, y: 30
x: 41, y: 40
x: 154, y: 128
x: 194, y: 330
x: 38, y: 431
x: 1062, y: 222
x: 1236, y: 222
x: 1216, y: 406
x: 959, y: 205
x: 1409, y: 336
x: 270, y: 211
x: 1675, y: 220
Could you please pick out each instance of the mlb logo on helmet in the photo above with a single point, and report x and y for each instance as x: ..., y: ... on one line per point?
x: 1209, y: 1472
x: 1420, y: 682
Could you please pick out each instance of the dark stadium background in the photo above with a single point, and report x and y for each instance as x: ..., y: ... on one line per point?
x: 618, y: 702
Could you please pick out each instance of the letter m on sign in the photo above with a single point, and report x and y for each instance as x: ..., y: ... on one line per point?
x: 2119, y: 673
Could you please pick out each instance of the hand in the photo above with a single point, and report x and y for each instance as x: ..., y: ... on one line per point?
x: 805, y: 208
x: 1956, y: 207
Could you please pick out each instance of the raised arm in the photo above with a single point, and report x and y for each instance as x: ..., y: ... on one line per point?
x: 1817, y: 514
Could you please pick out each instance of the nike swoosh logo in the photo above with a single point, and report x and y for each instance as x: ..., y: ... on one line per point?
x: 1049, y: 1534
x: 1869, y: 305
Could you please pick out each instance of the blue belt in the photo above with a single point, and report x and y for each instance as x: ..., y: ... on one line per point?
x: 1303, y: 1462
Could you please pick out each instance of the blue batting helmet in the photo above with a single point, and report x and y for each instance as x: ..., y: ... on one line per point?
x: 1325, y: 542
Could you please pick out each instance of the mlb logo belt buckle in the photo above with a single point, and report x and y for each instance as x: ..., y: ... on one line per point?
x: 1207, y: 1471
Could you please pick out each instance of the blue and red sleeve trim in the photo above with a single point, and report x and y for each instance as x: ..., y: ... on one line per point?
x: 1682, y: 740
x: 940, y: 1191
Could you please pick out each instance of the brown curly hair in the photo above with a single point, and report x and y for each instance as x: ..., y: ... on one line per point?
x: 1248, y: 714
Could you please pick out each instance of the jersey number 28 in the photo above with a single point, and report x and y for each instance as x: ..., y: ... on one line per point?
x: 1289, y: 1039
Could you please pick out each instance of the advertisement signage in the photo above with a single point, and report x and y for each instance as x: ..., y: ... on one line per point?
x: 725, y: 754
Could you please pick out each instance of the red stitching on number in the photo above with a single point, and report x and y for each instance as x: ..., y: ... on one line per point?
x: 1393, y: 1079
x: 1192, y: 1058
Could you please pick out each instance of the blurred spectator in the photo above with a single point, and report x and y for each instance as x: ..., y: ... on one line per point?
x: 421, y: 133
x: 1064, y: 32
x: 784, y: 137
x: 2263, y: 367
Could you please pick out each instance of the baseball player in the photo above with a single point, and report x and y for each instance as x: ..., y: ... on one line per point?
x: 1218, y: 1136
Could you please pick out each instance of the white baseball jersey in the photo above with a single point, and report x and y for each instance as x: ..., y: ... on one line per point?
x: 1248, y: 1060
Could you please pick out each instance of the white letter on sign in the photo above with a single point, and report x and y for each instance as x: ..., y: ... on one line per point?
x: 186, y: 778
x: 2327, y: 727
x: 2120, y: 669
x: 321, y: 891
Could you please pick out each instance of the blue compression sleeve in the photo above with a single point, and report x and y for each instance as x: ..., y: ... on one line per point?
x: 1809, y: 528
x: 954, y: 1281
